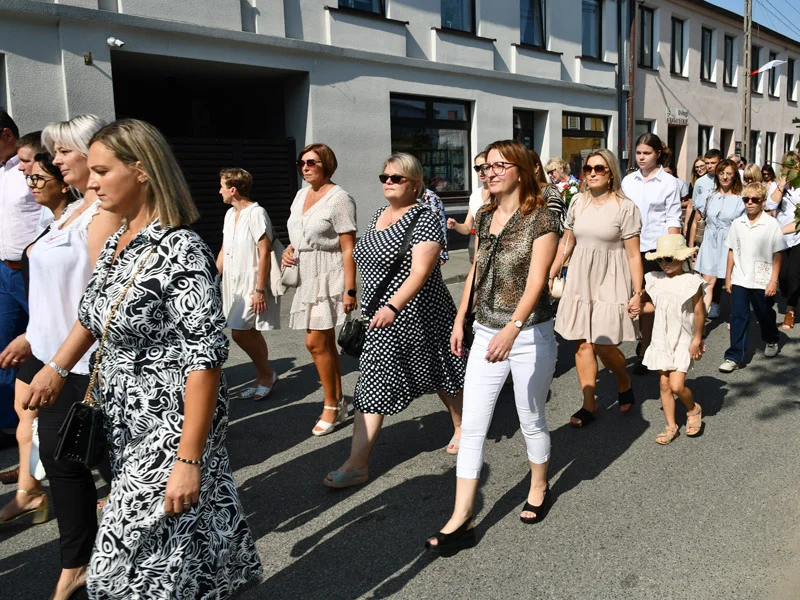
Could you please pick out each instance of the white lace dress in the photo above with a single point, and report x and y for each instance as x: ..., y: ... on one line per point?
x: 319, y: 300
x: 673, y: 327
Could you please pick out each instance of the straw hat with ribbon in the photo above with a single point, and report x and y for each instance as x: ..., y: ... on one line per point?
x: 673, y: 245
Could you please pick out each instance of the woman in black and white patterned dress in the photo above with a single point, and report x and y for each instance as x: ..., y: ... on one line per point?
x: 406, y: 352
x: 173, y: 527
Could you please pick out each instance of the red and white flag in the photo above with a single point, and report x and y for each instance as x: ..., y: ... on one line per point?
x: 770, y: 65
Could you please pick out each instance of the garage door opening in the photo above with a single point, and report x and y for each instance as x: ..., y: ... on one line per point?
x: 216, y: 115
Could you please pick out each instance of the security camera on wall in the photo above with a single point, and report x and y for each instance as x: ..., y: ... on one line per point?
x: 114, y: 43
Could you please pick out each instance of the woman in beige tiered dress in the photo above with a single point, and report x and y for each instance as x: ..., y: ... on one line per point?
x: 603, y: 288
x: 322, y: 232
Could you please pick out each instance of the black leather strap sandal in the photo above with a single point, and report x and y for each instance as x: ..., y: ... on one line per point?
x: 448, y: 544
x: 626, y: 400
x: 584, y: 417
x: 540, y: 511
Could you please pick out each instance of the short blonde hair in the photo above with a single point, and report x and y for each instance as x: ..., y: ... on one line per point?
x: 74, y: 134
x: 755, y: 190
x: 752, y: 174
x: 559, y: 164
x: 168, y: 194
x: 410, y: 167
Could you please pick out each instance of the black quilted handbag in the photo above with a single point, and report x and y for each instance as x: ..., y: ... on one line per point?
x: 82, y: 437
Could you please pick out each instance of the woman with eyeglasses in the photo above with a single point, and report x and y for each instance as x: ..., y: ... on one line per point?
x: 551, y: 194
x: 406, y: 350
x: 322, y: 232
x: 604, y: 290
x: 63, y: 260
x: 722, y: 206
x: 517, y: 240
x: 698, y: 170
x: 784, y: 200
x: 657, y: 195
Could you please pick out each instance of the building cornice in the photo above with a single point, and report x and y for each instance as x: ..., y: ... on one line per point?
x: 56, y: 12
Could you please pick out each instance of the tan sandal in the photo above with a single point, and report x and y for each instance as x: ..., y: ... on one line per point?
x: 788, y: 320
x: 694, y: 421
x: 666, y: 436
x: 39, y: 514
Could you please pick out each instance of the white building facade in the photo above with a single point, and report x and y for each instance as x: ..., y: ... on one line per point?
x: 689, y: 82
x: 250, y: 82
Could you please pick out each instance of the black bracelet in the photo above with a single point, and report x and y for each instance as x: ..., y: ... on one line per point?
x: 392, y: 308
x: 187, y: 461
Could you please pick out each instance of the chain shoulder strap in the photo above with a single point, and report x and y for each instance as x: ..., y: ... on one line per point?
x: 88, y: 399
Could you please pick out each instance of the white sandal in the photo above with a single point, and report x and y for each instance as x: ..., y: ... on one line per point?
x: 259, y: 392
x: 324, y: 427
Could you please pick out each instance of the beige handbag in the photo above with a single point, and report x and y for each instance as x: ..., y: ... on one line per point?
x: 560, y: 282
x: 276, y: 285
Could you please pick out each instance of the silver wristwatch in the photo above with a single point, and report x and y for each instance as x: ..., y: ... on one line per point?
x: 61, y: 372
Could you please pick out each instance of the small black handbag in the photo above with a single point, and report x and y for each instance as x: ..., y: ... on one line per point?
x: 354, y: 331
x: 82, y: 436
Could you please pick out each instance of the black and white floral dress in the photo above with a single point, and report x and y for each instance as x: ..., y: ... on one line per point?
x: 412, y: 356
x: 169, y: 324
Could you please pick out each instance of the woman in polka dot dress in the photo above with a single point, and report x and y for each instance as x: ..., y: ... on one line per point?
x: 406, y: 351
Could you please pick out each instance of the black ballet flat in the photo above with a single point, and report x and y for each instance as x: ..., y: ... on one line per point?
x: 541, y: 510
x: 448, y: 544
x: 626, y: 400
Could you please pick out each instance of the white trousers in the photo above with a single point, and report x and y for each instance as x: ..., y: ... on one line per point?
x: 532, y: 362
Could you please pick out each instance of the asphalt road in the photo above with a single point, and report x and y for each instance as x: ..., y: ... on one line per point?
x: 715, y: 517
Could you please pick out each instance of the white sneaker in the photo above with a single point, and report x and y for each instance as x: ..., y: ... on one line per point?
x: 728, y: 366
x: 771, y: 350
x: 713, y: 311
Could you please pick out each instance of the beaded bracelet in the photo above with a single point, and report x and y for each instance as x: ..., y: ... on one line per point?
x: 187, y: 461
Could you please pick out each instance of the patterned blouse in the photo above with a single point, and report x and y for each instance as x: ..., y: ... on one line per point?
x: 436, y: 206
x: 500, y: 288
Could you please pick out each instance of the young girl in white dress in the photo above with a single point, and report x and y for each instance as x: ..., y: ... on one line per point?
x: 675, y: 295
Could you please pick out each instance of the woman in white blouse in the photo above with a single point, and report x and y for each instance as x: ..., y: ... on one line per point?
x: 657, y: 195
x: 61, y: 263
x: 322, y: 232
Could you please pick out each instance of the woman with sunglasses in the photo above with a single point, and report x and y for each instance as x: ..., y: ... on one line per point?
x: 657, y: 195
x: 477, y: 199
x: 406, y: 350
x: 63, y: 260
x: 322, y: 232
x: 604, y: 289
x: 517, y: 240
x: 722, y: 206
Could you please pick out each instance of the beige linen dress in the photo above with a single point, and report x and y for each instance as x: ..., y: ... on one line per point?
x: 673, y: 327
x: 594, y: 306
x: 319, y: 300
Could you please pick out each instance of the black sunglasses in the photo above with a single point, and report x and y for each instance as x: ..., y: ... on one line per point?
x: 311, y: 162
x: 599, y: 169
x: 748, y: 200
x: 667, y: 260
x: 477, y: 168
x: 394, y: 178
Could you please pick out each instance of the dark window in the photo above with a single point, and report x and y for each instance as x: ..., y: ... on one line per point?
x: 703, y: 139
x: 581, y: 133
x: 646, y: 52
x: 787, y: 142
x: 642, y: 127
x: 676, y: 62
x: 459, y: 14
x: 524, y: 127
x: 729, y: 66
x: 769, y: 150
x: 532, y: 22
x: 754, y: 136
x: 592, y: 25
x: 437, y: 132
x: 755, y: 58
x: 706, y: 47
x: 790, y: 79
x: 373, y: 6
x: 773, y: 76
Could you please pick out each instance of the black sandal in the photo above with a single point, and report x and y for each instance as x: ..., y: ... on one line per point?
x: 541, y: 510
x: 584, y: 416
x: 448, y: 544
x: 626, y: 400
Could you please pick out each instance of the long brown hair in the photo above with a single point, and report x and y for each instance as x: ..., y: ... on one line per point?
x: 530, y: 195
x: 541, y: 177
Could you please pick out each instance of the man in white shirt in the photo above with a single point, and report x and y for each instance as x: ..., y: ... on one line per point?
x: 755, y: 242
x: 19, y: 215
